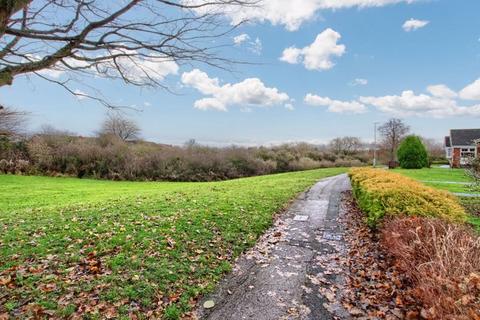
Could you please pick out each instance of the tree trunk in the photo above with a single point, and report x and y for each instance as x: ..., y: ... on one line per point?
x: 9, y: 8
x: 6, y: 78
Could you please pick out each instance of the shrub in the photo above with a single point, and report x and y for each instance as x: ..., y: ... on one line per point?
x: 22, y: 166
x: 412, y: 153
x: 304, y: 164
x: 471, y: 205
x: 474, y: 173
x: 442, y: 261
x: 434, y: 161
x: 383, y: 193
x: 5, y: 166
x: 109, y: 157
x: 348, y: 163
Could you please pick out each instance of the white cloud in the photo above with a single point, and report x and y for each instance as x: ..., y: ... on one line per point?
x: 472, y: 91
x: 143, y: 69
x: 79, y: 94
x: 410, y: 104
x: 52, y: 73
x: 210, y: 103
x: 248, y: 93
x: 441, y: 91
x: 290, y: 13
x: 318, y: 55
x: 291, y: 55
x: 407, y: 103
x: 335, y: 105
x: 289, y: 106
x: 254, y: 46
x: 439, y: 101
x: 414, y: 24
x: 136, y: 68
x: 238, y: 40
x: 201, y: 81
x: 359, y: 82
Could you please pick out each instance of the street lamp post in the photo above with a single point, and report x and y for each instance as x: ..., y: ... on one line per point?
x: 375, y: 144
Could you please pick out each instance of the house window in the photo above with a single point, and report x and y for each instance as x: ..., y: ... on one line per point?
x: 467, y: 153
x: 449, y: 153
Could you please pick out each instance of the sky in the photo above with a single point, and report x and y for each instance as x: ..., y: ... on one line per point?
x: 319, y: 69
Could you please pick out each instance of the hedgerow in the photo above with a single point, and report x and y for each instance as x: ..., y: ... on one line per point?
x: 108, y: 157
x: 381, y: 193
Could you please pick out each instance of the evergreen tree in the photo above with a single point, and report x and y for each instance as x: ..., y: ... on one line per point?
x: 412, y: 154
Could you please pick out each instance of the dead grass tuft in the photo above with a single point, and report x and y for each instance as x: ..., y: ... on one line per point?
x: 443, y: 262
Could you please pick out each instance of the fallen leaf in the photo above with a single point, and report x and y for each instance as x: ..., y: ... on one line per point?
x: 49, y: 287
x: 171, y: 243
x: 355, y: 311
x: 330, y: 296
x: 412, y: 315
x: 5, y: 280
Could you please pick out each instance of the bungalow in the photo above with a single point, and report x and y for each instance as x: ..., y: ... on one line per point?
x: 461, y: 146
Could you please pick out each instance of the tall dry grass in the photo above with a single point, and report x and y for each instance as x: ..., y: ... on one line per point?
x: 443, y: 262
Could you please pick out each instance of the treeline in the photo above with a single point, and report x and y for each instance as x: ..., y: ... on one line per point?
x: 109, y: 157
x: 116, y: 152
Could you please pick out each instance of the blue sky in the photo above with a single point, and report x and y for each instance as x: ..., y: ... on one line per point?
x: 355, y: 74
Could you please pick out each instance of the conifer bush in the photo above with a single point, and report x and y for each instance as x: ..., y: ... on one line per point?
x: 412, y: 154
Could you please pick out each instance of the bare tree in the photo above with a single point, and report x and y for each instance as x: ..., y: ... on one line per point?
x: 392, y: 132
x: 11, y: 121
x: 190, y: 143
x: 121, y: 127
x: 435, y: 148
x: 133, y: 40
x: 336, y: 145
x: 346, y: 145
x: 352, y: 145
x: 49, y: 130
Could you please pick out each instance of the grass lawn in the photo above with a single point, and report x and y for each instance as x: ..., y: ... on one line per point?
x: 71, y: 247
x: 438, y: 178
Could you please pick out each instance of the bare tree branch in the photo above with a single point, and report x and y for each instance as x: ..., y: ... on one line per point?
x: 11, y: 121
x: 119, y: 126
x: 392, y: 132
x: 136, y: 41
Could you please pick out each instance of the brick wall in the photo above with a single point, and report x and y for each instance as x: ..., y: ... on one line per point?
x: 456, y: 158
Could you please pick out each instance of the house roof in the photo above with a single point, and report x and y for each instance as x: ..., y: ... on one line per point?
x: 447, y: 142
x: 464, y: 137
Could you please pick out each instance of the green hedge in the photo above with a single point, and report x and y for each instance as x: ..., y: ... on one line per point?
x: 381, y: 193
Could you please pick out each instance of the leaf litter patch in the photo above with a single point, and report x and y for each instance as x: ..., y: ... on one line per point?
x: 353, y: 277
x: 374, y: 288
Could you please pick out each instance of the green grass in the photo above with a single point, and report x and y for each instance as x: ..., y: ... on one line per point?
x: 437, y: 178
x: 70, y: 246
x: 439, y: 175
x: 475, y: 222
x: 472, y: 206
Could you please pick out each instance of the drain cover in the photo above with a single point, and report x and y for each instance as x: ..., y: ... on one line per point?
x: 332, y: 236
x: 300, y: 218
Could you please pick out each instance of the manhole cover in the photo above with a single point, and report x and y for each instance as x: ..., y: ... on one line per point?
x: 332, y: 236
x: 300, y: 218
